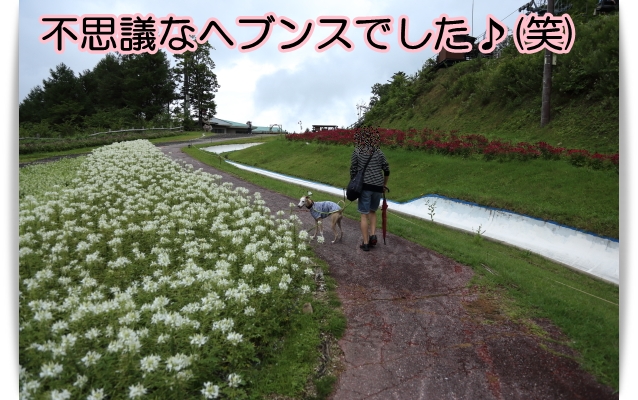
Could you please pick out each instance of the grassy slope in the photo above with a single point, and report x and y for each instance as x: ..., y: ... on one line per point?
x: 501, y: 98
x: 578, y: 124
x: 554, y: 190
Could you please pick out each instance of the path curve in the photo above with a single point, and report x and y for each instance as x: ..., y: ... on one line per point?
x: 416, y: 331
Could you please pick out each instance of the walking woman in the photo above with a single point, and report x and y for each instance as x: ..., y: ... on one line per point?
x: 375, y: 179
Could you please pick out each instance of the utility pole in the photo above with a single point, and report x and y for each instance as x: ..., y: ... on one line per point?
x: 547, y: 77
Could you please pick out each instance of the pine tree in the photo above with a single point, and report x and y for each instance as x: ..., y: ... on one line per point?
x: 148, y: 84
x: 194, y: 70
x: 105, y: 83
x: 63, y: 96
x: 31, y: 109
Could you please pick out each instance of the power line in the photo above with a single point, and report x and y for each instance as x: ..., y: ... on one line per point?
x: 502, y: 19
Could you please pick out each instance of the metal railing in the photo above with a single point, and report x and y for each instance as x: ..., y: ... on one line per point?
x: 180, y: 128
x: 140, y: 129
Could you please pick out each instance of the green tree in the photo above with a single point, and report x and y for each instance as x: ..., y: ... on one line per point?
x: 148, y: 84
x: 32, y: 109
x: 105, y: 83
x: 194, y: 70
x: 63, y: 96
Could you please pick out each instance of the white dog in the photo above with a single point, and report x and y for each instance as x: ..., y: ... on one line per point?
x: 321, y: 210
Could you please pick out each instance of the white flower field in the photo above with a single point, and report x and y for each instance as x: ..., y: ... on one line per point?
x: 142, y: 278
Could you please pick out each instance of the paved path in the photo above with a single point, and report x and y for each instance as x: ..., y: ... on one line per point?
x: 415, y: 331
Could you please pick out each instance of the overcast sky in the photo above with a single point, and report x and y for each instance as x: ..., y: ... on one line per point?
x: 267, y: 86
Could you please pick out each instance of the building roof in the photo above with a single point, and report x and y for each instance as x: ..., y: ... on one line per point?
x: 223, y: 122
x: 238, y: 125
x: 265, y: 129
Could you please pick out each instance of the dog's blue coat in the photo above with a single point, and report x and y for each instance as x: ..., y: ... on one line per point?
x: 323, y: 208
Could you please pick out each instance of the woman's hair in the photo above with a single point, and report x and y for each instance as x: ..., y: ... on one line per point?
x: 367, y: 138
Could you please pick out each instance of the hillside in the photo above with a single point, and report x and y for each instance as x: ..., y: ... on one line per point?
x: 501, y: 97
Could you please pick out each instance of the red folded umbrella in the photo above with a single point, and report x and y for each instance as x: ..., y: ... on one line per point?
x: 384, y: 219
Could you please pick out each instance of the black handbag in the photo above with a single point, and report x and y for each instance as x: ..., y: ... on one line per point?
x: 355, y: 187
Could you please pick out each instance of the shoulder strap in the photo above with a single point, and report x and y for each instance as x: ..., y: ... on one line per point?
x: 367, y: 162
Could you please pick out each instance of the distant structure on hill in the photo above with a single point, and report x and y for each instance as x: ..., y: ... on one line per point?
x: 224, y: 126
x: 317, y: 128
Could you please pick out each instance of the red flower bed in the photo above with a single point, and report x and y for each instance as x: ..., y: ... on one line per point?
x: 466, y: 145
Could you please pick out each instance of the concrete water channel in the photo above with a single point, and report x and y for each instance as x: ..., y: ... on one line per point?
x: 586, y: 252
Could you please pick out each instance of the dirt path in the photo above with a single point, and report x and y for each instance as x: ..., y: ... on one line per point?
x: 415, y: 331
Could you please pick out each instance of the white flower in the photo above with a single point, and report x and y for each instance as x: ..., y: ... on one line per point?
x: 31, y: 386
x: 136, y: 391
x: 305, y: 289
x: 119, y: 263
x: 50, y: 370
x: 162, y: 338
x: 92, y: 333
x: 91, y: 358
x: 247, y: 269
x: 320, y: 240
x: 24, y: 251
x: 129, y: 318
x: 163, y: 260
x: 282, y: 261
x: 234, y: 380
x: 269, y: 270
x: 249, y: 311
x: 224, y: 325
x: 65, y: 280
x: 96, y: 394
x: 88, y: 282
x: 178, y: 362
x: 262, y: 255
x: 43, y: 316
x: 198, y: 339
x: 59, y: 326
x: 263, y: 288
x: 234, y: 338
x: 80, y: 381
x: 150, y: 363
x: 190, y: 308
x: 108, y: 331
x: 60, y: 395
x: 286, y: 278
x: 185, y: 375
x: 210, y: 391
x: 93, y: 257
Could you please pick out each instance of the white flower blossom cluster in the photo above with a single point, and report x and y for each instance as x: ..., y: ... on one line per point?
x: 135, y: 270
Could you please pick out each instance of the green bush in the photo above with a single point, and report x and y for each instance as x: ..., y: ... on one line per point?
x: 31, y: 147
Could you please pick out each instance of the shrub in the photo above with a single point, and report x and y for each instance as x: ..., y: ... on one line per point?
x: 466, y: 145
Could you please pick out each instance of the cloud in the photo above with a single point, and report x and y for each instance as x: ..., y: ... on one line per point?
x: 319, y: 91
x: 266, y: 86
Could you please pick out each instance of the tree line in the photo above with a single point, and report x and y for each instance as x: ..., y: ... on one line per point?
x: 121, y: 91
